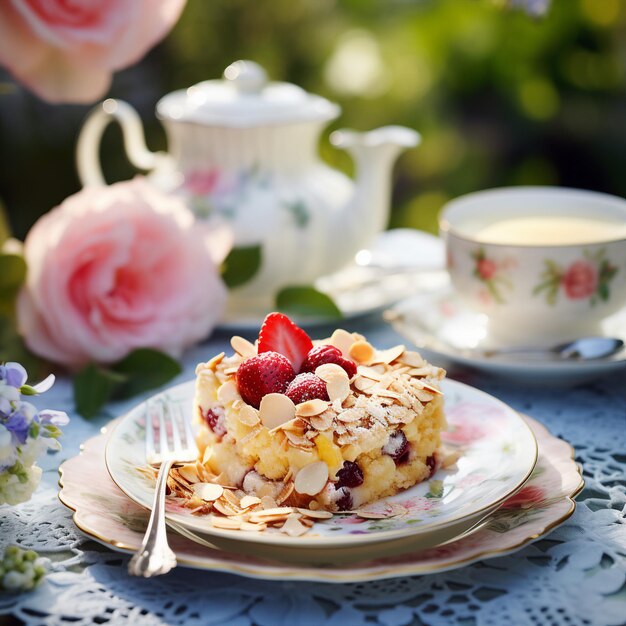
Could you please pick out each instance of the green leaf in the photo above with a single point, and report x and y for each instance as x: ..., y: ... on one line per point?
x: 12, y: 273
x: 144, y: 369
x: 93, y: 386
x: 5, y: 230
x: 603, y: 291
x: 305, y: 301
x: 241, y: 265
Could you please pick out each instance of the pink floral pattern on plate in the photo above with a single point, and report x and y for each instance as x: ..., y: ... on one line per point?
x: 104, y: 512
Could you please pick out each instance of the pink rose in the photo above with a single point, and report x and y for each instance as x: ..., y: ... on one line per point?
x: 66, y: 51
x: 486, y: 268
x: 525, y: 498
x: 580, y: 280
x: 117, y: 268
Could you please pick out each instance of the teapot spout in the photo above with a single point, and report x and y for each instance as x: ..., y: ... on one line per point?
x: 374, y: 154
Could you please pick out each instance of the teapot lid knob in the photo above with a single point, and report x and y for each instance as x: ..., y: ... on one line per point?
x: 248, y: 77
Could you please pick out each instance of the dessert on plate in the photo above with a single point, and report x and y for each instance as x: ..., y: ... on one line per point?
x: 322, y: 425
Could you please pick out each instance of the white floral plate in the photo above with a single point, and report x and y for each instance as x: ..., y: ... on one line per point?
x: 447, y: 332
x: 498, y: 453
x: 104, y: 513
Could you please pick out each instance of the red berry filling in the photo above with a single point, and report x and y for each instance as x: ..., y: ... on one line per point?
x: 432, y: 464
x: 344, y: 502
x: 397, y: 447
x: 350, y: 475
x: 214, y: 418
x: 305, y: 387
x: 320, y: 355
x: 265, y: 373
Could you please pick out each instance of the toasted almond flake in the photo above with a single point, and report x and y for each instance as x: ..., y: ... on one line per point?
x: 432, y: 389
x: 293, y: 527
x: 225, y: 508
x: 315, y: 514
x: 267, y: 502
x: 276, y: 409
x: 424, y: 396
x: 208, y: 491
x: 362, y: 383
x: 420, y: 371
x: 288, y: 475
x: 274, y: 520
x: 314, y: 505
x: 253, y: 527
x: 372, y: 515
x: 351, y: 415
x: 343, y: 340
x: 299, y: 441
x: 307, y: 521
x: 369, y: 372
x: 388, y: 356
x: 228, y: 392
x: 311, y: 407
x: 387, y: 393
x: 189, y: 473
x: 323, y: 421
x: 247, y: 501
x: 232, y: 498
x: 350, y: 401
x: 329, y: 371
x: 229, y: 371
x: 295, y: 425
x: 243, y: 346
x: 312, y: 478
x: 252, y: 434
x: 285, y: 492
x: 361, y: 351
x: 225, y: 522
x: 338, y: 388
x: 412, y: 358
x: 279, y: 510
x: 211, y: 364
x: 248, y: 415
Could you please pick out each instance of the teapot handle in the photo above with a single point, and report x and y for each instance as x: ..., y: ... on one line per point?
x: 88, y: 145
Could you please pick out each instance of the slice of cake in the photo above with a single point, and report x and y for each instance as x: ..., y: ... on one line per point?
x: 331, y: 424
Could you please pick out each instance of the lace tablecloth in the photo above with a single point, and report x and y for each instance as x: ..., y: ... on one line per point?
x: 577, y: 575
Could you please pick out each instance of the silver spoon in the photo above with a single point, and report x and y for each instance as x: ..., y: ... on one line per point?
x: 583, y: 349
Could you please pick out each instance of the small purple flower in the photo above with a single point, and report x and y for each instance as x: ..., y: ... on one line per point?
x: 18, y: 423
x: 13, y: 374
x: 56, y: 418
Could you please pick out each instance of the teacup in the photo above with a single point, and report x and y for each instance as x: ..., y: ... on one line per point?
x: 545, y: 264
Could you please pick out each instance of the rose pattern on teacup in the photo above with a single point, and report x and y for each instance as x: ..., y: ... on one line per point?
x: 586, y: 278
x: 493, y: 275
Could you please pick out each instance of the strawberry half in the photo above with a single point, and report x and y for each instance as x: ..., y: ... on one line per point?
x: 280, y: 334
x: 265, y: 373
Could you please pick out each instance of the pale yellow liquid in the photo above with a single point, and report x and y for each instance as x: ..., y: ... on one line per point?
x: 540, y: 230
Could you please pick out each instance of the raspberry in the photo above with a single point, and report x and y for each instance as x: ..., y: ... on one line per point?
x: 327, y: 354
x: 306, y: 387
x: 265, y: 373
x: 214, y: 418
x: 397, y: 447
x: 344, y: 502
x: 350, y: 475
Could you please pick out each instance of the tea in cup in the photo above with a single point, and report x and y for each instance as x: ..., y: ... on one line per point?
x: 545, y: 264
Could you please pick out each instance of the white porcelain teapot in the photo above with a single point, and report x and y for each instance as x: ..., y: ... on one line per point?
x: 246, y: 150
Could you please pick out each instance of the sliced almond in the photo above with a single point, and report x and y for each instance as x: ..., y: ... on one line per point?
x: 433, y: 389
x: 208, y: 491
x: 311, y: 407
x: 295, y: 425
x: 338, y: 388
x: 343, y: 340
x: 414, y: 359
x: 424, y: 396
x: 323, y: 421
x: 388, y: 356
x: 285, y: 492
x: 314, y: 505
x: 293, y: 527
x: 267, y: 502
x: 372, y: 515
x: 351, y: 415
x: 225, y: 522
x: 243, y: 347
x: 214, y: 362
x: 362, y: 384
x: 228, y: 392
x: 315, y: 514
x: 248, y: 415
x: 253, y: 527
x: 328, y: 371
x: 232, y: 498
x: 189, y: 473
x: 276, y: 409
x: 225, y: 508
x: 369, y: 372
x: 252, y: 434
x: 247, y: 501
x: 361, y: 351
x: 279, y: 510
x: 299, y: 441
x: 312, y: 478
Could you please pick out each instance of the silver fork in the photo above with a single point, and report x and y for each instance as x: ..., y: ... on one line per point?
x: 155, y: 557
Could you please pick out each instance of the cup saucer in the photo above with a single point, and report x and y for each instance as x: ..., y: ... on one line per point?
x: 450, y: 333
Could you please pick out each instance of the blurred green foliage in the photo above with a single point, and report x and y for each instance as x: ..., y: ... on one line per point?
x: 499, y: 97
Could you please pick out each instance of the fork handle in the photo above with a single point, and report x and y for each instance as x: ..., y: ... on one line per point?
x: 155, y: 557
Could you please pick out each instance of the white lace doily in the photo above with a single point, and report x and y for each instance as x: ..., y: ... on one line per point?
x: 575, y: 576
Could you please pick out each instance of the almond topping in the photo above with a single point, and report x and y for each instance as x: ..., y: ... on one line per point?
x: 343, y: 340
x: 242, y: 346
x: 228, y: 392
x: 216, y: 360
x: 225, y: 522
x: 248, y: 501
x: 390, y: 355
x: 311, y: 479
x: 361, y: 351
x: 311, y: 407
x: 293, y: 527
x: 328, y: 371
x: 253, y: 527
x: 369, y: 372
x: 189, y: 473
x: 276, y: 409
x: 208, y: 491
x: 248, y: 415
x: 338, y: 388
x: 267, y: 502
x: 315, y: 514
x: 323, y: 421
x: 411, y: 358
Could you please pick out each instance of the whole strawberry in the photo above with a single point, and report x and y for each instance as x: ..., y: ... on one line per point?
x: 306, y: 387
x: 327, y: 354
x: 265, y: 373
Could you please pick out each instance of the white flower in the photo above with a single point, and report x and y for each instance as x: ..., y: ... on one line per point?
x: 8, y: 454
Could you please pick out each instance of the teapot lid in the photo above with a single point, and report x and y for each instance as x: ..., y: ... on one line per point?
x: 243, y: 99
